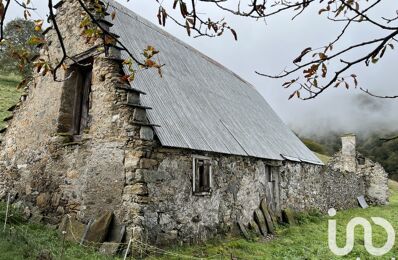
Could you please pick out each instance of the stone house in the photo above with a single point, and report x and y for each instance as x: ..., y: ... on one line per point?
x: 181, y: 158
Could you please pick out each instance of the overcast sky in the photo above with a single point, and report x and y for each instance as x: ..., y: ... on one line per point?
x: 269, y: 47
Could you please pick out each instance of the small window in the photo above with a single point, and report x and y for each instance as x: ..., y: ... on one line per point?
x: 75, y: 104
x: 269, y: 174
x: 202, y: 174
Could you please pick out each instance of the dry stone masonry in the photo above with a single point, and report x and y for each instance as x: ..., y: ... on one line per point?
x: 115, y: 176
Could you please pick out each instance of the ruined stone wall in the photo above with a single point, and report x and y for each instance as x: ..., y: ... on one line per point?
x: 306, y: 187
x: 376, y: 183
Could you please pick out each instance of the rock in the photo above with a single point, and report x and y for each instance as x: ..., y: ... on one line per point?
x: 242, y: 228
x: 109, y: 248
x: 362, y: 202
x: 260, y: 220
x: 56, y: 199
x: 60, y: 211
x: 274, y: 217
x: 44, y: 255
x: 42, y: 200
x: 136, y: 189
x: 254, y: 227
x: 26, y: 213
x: 72, y: 174
x: 139, y: 114
x: 268, y: 219
x: 146, y: 133
x: 71, y: 228
x: 147, y: 163
x: 99, y: 228
x: 288, y: 216
x: 131, y: 162
x: 133, y: 98
x: 117, y: 233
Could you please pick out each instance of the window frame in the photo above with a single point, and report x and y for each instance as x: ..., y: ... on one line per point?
x: 194, y: 175
x: 270, y: 174
x: 76, y: 100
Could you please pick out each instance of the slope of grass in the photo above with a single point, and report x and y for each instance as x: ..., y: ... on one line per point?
x: 29, y: 241
x: 9, y: 95
x: 324, y: 158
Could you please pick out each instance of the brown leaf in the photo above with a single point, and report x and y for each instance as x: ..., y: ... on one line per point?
x: 164, y: 15
x: 159, y: 15
x: 183, y: 9
x: 292, y: 95
x: 303, y: 53
x: 324, y: 70
x: 188, y: 28
x: 322, y: 56
x: 234, y: 34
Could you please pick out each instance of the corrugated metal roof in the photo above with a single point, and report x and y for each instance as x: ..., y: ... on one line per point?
x: 201, y: 105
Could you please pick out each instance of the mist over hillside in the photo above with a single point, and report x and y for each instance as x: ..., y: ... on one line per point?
x: 363, y: 115
x: 369, y: 118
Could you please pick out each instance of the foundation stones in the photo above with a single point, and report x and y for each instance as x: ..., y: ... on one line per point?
x: 242, y: 228
x: 268, y: 219
x: 99, y: 228
x: 254, y: 227
x: 260, y: 220
x: 288, y: 216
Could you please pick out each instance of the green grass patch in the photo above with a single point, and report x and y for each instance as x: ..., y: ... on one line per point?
x: 9, y: 95
x: 23, y: 240
x: 324, y: 158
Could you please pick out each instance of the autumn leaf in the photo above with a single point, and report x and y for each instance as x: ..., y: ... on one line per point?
x: 188, y: 28
x: 234, y: 34
x: 36, y: 40
x: 324, y: 70
x: 38, y: 25
x: 303, y: 53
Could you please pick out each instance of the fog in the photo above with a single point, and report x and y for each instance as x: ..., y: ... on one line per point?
x: 270, y: 46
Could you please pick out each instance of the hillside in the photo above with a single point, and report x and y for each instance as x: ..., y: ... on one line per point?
x: 9, y: 95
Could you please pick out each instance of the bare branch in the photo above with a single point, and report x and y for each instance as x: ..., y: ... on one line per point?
x: 377, y: 96
x: 3, y: 16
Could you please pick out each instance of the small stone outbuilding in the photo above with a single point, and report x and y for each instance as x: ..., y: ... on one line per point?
x: 179, y: 158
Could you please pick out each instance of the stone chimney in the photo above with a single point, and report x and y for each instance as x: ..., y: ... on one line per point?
x: 348, y: 152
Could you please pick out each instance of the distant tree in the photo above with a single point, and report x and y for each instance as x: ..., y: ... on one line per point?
x: 17, y: 51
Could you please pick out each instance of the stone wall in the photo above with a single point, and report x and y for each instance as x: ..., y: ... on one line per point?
x: 306, y: 187
x: 174, y: 214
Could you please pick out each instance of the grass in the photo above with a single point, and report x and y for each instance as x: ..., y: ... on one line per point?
x: 308, y: 240
x: 27, y: 241
x: 9, y: 95
x: 324, y: 158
